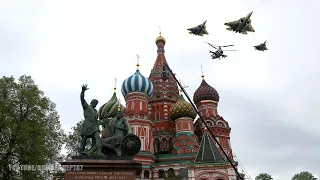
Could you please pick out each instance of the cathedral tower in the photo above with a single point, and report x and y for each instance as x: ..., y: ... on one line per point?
x: 206, y: 99
x: 184, y: 141
x: 136, y: 90
x: 165, y: 95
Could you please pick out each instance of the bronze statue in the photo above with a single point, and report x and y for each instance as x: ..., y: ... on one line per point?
x: 117, y: 139
x: 117, y: 129
x: 90, y: 127
x: 105, y: 130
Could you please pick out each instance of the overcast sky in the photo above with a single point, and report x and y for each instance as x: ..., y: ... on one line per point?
x: 270, y: 99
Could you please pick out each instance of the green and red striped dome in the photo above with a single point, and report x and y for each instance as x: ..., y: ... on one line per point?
x: 182, y: 109
x: 110, y: 109
x: 205, y: 92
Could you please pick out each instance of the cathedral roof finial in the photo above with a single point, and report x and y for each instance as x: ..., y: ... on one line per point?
x: 115, y: 85
x: 160, y: 38
x: 202, y: 73
x: 138, y: 58
x: 119, y: 106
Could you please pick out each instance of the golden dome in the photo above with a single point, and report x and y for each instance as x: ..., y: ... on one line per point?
x: 160, y: 39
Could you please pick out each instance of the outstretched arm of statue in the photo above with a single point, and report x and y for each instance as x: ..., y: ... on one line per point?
x: 83, y: 101
x: 128, y: 126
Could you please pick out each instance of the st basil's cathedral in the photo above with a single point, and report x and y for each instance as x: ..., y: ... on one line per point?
x: 172, y: 139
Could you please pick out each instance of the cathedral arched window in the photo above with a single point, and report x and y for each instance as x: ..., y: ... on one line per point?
x: 156, y: 145
x: 171, y: 170
x: 142, y: 144
x: 146, y: 174
x: 132, y: 105
x: 157, y: 116
x: 140, y: 105
x: 161, y: 173
x: 164, y: 144
x: 170, y: 143
x: 184, y: 173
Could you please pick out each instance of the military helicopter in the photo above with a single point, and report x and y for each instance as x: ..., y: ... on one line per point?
x: 199, y: 30
x: 261, y: 47
x: 219, y: 52
x: 242, y: 25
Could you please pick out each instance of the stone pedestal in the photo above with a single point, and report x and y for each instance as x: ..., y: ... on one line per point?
x: 84, y: 168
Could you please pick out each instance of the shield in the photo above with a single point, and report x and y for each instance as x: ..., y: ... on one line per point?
x: 130, y: 145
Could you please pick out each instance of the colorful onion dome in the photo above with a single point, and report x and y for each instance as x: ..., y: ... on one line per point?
x: 205, y: 92
x: 110, y: 108
x: 160, y: 39
x: 137, y: 83
x: 182, y: 109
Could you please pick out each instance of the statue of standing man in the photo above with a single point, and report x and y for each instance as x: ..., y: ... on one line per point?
x: 90, y: 127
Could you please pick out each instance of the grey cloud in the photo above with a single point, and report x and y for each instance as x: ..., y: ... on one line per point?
x: 264, y: 140
x: 270, y: 99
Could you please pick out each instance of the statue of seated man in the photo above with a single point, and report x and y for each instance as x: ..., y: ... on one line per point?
x: 114, y: 132
x: 117, y: 128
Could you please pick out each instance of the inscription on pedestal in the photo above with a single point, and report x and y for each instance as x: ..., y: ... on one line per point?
x: 84, y: 175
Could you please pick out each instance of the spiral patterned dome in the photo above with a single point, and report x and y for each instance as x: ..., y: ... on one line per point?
x: 205, y: 92
x: 110, y: 108
x: 182, y: 109
x: 137, y: 83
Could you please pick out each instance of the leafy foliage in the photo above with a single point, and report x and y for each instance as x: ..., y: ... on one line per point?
x: 263, y: 176
x: 170, y: 175
x: 30, y: 130
x: 305, y: 175
x: 74, y: 138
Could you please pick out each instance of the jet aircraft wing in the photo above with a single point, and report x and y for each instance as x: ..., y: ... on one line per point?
x: 249, y: 28
x: 205, y: 31
x: 232, y: 24
x: 192, y: 29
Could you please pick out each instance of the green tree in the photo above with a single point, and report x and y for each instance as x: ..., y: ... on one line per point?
x: 30, y: 130
x: 170, y: 175
x: 73, y: 139
x: 304, y: 175
x: 263, y: 176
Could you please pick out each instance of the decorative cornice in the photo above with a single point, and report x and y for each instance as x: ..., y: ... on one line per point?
x: 129, y: 95
x: 143, y: 121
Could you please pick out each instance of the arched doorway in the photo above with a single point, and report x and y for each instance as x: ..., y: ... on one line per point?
x: 146, y: 174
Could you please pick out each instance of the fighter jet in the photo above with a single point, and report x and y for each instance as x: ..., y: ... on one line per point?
x: 261, y: 47
x: 199, y: 30
x: 243, y: 25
